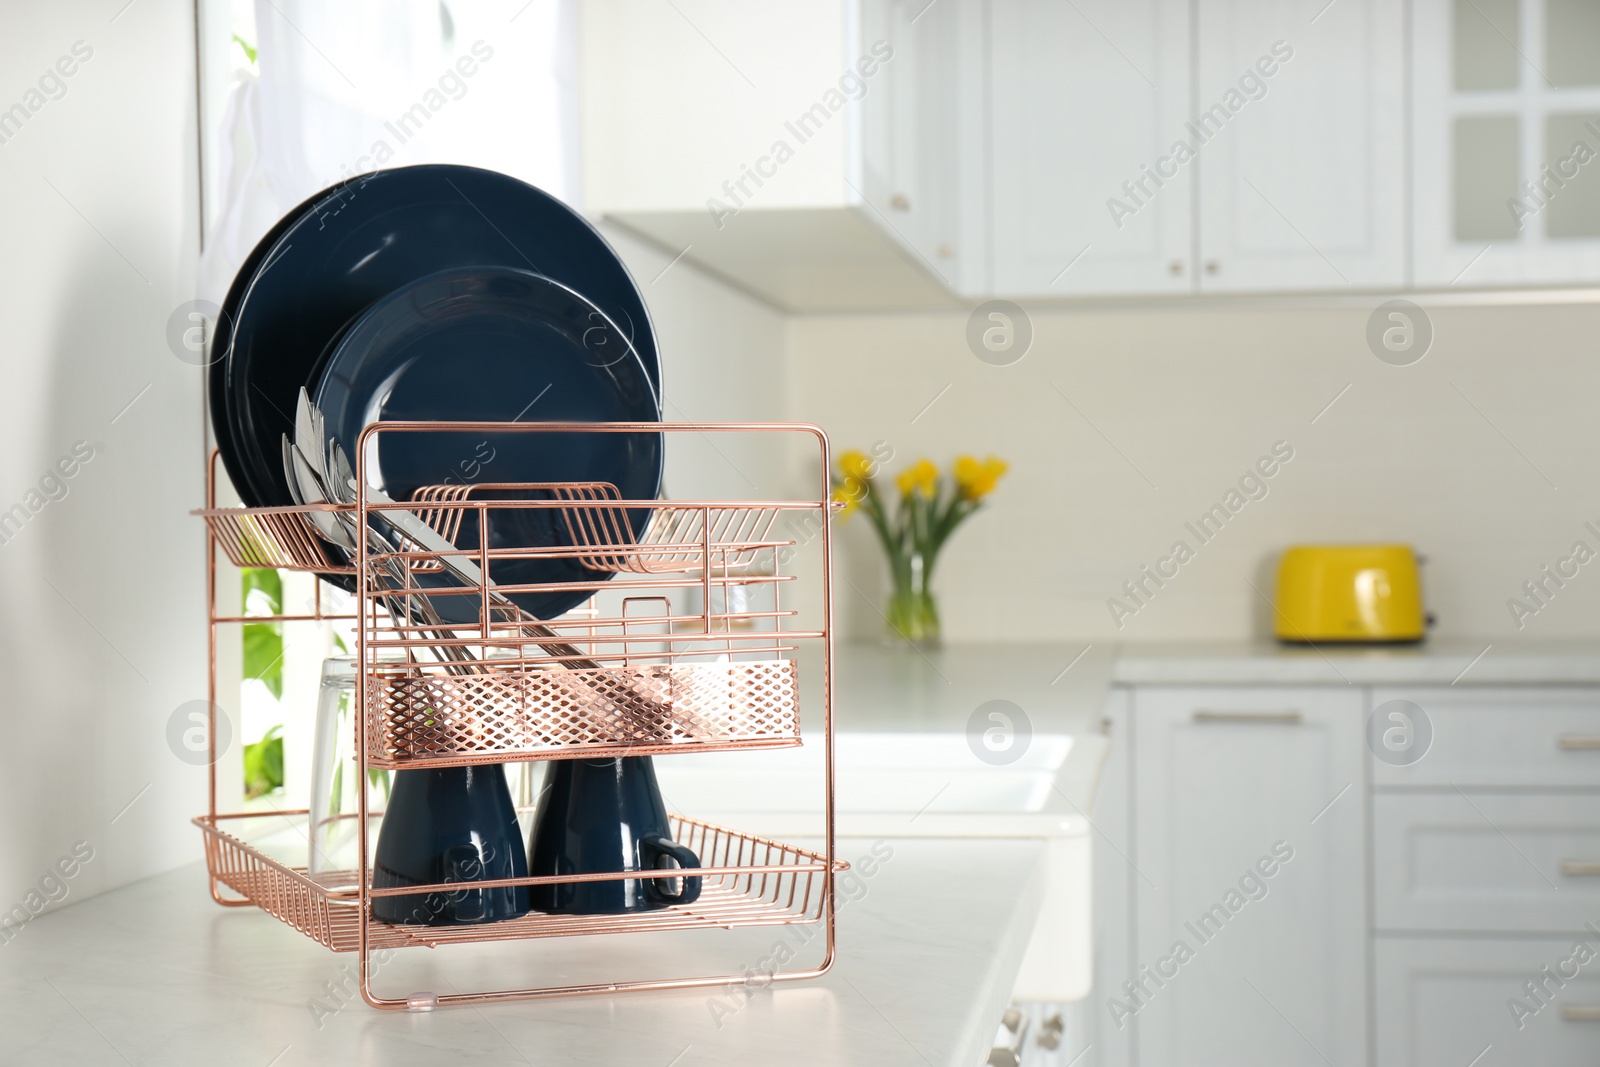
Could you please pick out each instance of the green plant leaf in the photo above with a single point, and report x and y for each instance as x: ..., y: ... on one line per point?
x: 263, y: 764
x: 263, y: 655
x: 268, y: 582
x: 263, y: 641
x: 250, y: 53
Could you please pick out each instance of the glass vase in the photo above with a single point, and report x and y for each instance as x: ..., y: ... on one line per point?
x: 913, y: 613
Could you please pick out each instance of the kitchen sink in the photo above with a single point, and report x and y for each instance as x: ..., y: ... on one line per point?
x: 875, y: 772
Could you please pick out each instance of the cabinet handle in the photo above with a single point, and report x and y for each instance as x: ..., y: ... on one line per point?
x: 899, y: 202
x: 1581, y: 1013
x: 1579, y: 742
x: 1213, y: 267
x: 1580, y: 868
x: 1176, y: 266
x: 1279, y: 718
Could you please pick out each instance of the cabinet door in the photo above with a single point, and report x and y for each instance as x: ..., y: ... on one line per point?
x: 915, y: 118
x: 1248, y: 821
x: 1301, y: 170
x: 1116, y: 888
x: 1507, y: 134
x: 1086, y: 102
x: 1486, y: 861
x: 1536, y: 737
x: 1448, y: 1003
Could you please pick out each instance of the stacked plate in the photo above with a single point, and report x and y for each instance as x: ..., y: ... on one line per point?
x: 447, y: 294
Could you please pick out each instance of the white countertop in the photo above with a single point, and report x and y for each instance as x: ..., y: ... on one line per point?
x: 929, y: 948
x: 1061, y: 686
x: 911, y: 727
x: 156, y: 974
x: 1429, y: 663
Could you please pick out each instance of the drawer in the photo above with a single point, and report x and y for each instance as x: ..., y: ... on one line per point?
x: 1491, y: 862
x: 1528, y: 737
x: 1442, y: 1003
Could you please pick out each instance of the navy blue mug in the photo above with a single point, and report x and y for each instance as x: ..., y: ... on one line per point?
x: 605, y: 816
x: 454, y: 824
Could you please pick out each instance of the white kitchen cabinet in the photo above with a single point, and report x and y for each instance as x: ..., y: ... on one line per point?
x: 1418, y: 903
x: 1115, y: 889
x: 1225, y: 780
x: 911, y: 134
x: 1506, y: 92
x: 1302, y: 177
x: 813, y: 155
x: 1279, y: 165
x: 1448, y: 1003
x: 1533, y: 737
x: 1489, y: 862
x: 1086, y: 101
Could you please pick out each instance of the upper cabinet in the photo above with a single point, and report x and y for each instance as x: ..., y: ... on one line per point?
x: 1507, y: 139
x: 916, y: 132
x: 880, y: 154
x: 1302, y: 170
x: 1154, y: 146
x: 1086, y: 102
x: 812, y: 154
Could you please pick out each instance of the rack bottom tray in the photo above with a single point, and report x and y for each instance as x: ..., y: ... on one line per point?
x: 330, y: 913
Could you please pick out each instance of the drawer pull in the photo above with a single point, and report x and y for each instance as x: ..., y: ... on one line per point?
x: 1580, y: 868
x: 1581, y: 1013
x: 1579, y: 742
x: 1280, y: 718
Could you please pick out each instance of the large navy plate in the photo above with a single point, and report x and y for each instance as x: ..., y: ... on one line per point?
x: 222, y: 342
x: 362, y: 240
x: 496, y: 344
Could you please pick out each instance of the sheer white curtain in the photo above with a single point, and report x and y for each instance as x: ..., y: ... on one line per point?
x: 342, y: 88
x: 359, y: 85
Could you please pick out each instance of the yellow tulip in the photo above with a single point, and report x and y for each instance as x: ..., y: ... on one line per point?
x: 966, y: 472
x: 854, y: 464
x: 977, y: 480
x: 922, y: 477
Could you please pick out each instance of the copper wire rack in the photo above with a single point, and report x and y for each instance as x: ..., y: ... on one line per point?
x: 748, y: 881
x: 688, y: 643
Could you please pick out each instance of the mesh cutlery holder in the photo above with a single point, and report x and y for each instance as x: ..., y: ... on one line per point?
x: 446, y: 720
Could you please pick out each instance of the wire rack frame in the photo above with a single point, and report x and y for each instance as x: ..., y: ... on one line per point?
x: 749, y: 881
x: 720, y: 536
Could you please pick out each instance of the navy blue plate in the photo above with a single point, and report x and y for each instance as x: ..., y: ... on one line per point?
x: 222, y: 342
x: 361, y: 240
x: 496, y: 344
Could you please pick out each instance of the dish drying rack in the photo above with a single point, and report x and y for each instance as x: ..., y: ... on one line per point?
x: 688, y: 680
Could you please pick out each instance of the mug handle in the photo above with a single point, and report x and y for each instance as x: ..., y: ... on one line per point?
x: 655, y: 888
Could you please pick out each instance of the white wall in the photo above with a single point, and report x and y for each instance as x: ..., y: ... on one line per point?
x: 1176, y: 402
x: 722, y: 360
x: 101, y: 628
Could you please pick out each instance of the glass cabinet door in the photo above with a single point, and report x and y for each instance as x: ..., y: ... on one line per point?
x: 1506, y: 142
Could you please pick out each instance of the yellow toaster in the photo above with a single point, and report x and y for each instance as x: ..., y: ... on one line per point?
x: 1349, y: 593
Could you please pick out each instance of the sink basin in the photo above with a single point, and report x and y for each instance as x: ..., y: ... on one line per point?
x: 874, y: 772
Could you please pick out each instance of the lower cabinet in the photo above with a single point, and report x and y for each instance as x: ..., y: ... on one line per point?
x: 1269, y: 893
x: 1496, y: 862
x: 1249, y: 946
x: 1487, y: 1002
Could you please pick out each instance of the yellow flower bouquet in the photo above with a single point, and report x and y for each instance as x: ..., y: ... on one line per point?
x: 929, y: 508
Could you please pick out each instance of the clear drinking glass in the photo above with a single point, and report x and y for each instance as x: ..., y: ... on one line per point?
x: 335, y: 802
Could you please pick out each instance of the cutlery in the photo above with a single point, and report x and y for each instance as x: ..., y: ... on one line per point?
x: 336, y: 481
x: 341, y: 483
